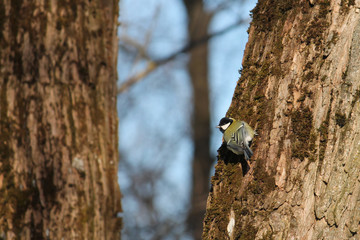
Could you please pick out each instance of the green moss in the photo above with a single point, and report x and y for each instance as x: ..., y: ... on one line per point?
x: 249, y: 72
x: 340, y: 119
x: 259, y: 96
x: 255, y: 73
x: 345, y: 5
x: 277, y: 51
x: 318, y: 25
x: 264, y: 71
x: 315, y: 30
x: 244, y: 212
x: 248, y: 232
x: 255, y: 188
x: 229, y: 175
x: 267, y: 13
x: 324, y: 7
x: 302, y: 143
x: 278, y: 47
x: 262, y: 179
x: 312, y: 147
x: 217, y: 213
x: 255, y: 76
x: 250, y: 92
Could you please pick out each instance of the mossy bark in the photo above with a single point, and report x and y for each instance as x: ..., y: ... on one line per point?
x: 300, y: 89
x: 58, y: 121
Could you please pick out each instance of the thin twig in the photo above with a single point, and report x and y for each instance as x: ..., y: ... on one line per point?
x: 153, y: 64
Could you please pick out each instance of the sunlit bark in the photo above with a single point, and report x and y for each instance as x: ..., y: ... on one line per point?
x: 300, y: 88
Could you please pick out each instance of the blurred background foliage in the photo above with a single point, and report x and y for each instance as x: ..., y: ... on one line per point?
x: 178, y: 66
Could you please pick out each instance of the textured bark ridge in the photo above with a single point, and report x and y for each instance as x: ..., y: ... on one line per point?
x: 58, y: 121
x: 300, y: 88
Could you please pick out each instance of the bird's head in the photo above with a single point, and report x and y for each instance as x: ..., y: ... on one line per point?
x: 224, y: 124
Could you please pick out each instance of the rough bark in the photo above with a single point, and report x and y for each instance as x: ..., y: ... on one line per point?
x: 198, y: 24
x: 300, y: 88
x: 58, y: 121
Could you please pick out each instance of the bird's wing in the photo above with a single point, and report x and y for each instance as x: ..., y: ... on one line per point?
x: 247, y: 151
x: 238, y: 141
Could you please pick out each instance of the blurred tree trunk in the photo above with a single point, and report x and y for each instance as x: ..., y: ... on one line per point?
x: 300, y: 86
x: 58, y: 121
x: 198, y: 24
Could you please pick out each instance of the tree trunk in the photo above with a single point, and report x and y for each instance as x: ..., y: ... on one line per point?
x: 58, y: 121
x: 198, y: 24
x: 300, y: 87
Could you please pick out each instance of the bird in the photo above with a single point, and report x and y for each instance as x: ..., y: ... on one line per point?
x: 237, y: 135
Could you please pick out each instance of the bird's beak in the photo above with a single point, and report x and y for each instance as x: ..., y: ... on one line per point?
x: 217, y: 126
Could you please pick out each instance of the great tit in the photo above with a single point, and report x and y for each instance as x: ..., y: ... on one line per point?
x: 238, y: 136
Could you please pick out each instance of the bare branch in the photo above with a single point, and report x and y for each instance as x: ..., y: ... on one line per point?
x: 153, y: 64
x: 191, y: 45
x: 130, y: 42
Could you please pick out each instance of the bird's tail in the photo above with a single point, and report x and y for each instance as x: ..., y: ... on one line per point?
x: 248, y: 153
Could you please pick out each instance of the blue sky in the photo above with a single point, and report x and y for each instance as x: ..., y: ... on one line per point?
x: 154, y: 115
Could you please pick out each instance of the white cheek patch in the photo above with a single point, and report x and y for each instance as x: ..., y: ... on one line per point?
x: 224, y: 127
